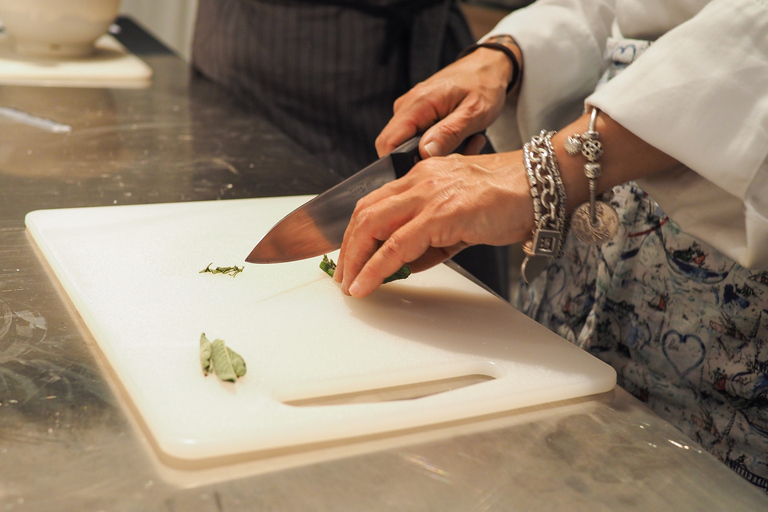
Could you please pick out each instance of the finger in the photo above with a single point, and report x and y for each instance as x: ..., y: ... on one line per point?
x: 405, y: 124
x: 395, y: 133
x: 413, y: 242
x: 391, y: 256
x: 445, y: 136
x: 367, y: 228
x: 387, y: 191
x: 416, y: 111
x: 363, y: 249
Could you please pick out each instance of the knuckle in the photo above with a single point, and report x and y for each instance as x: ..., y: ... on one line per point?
x: 451, y: 127
x: 362, y: 217
x: 392, y: 249
x: 474, y: 108
x: 380, y: 143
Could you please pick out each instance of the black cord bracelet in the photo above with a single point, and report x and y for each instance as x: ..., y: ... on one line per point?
x: 500, y: 47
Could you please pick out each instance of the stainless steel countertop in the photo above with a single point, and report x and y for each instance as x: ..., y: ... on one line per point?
x: 68, y: 440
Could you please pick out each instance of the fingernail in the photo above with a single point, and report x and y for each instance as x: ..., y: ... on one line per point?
x: 354, y: 289
x: 433, y: 148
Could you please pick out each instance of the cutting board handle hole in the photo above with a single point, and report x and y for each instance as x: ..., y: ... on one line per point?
x: 391, y: 393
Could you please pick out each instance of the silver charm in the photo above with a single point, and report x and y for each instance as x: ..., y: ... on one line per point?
x: 592, y: 170
x: 573, y: 145
x: 592, y: 149
x: 598, y: 229
x: 546, y: 242
x: 594, y: 222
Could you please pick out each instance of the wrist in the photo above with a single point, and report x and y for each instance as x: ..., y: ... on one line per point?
x: 510, y: 43
x: 509, y: 66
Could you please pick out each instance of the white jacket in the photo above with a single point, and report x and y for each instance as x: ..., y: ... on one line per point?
x: 699, y: 93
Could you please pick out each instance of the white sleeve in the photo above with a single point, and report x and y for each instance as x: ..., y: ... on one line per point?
x: 562, y: 42
x: 700, y: 94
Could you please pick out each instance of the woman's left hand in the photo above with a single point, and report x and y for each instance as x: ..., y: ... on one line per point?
x: 440, y: 207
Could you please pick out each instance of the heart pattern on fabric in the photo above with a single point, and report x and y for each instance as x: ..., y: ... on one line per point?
x: 624, y: 54
x: 684, y: 351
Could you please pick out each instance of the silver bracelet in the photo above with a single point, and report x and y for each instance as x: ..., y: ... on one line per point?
x: 548, y: 195
x: 595, y: 222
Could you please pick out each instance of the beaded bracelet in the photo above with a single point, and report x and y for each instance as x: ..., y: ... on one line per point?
x: 548, y: 193
x: 502, y: 48
x: 595, y: 222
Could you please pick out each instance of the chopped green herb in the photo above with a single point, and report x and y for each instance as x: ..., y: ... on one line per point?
x: 403, y: 273
x: 205, y: 354
x: 231, y: 271
x: 217, y: 357
x: 329, y: 267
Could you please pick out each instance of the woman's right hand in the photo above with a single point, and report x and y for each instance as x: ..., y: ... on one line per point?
x: 462, y: 99
x: 440, y: 207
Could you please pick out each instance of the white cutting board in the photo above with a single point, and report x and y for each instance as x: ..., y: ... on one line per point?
x: 132, y: 272
x: 111, y: 65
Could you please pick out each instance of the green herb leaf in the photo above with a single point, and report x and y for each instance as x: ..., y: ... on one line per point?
x: 217, y: 357
x: 329, y: 267
x: 231, y: 271
x: 205, y: 354
x: 222, y: 362
x: 403, y: 273
x: 238, y: 363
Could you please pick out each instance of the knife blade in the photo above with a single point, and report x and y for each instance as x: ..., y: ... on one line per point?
x: 317, y: 227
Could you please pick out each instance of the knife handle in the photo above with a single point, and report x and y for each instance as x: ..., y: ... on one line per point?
x: 406, y: 155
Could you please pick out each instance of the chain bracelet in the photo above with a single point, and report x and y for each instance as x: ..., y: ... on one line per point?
x: 548, y: 193
x: 548, y: 197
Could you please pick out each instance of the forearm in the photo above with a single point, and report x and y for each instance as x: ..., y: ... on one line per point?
x: 625, y: 157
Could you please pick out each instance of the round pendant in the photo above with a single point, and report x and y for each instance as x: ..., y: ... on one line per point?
x: 605, y: 227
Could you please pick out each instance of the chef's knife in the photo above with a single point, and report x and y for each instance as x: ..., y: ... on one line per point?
x: 317, y: 227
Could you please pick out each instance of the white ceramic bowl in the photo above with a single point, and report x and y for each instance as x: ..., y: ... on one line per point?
x: 56, y: 28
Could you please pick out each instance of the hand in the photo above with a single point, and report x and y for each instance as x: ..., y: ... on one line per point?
x: 440, y: 207
x: 460, y: 100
